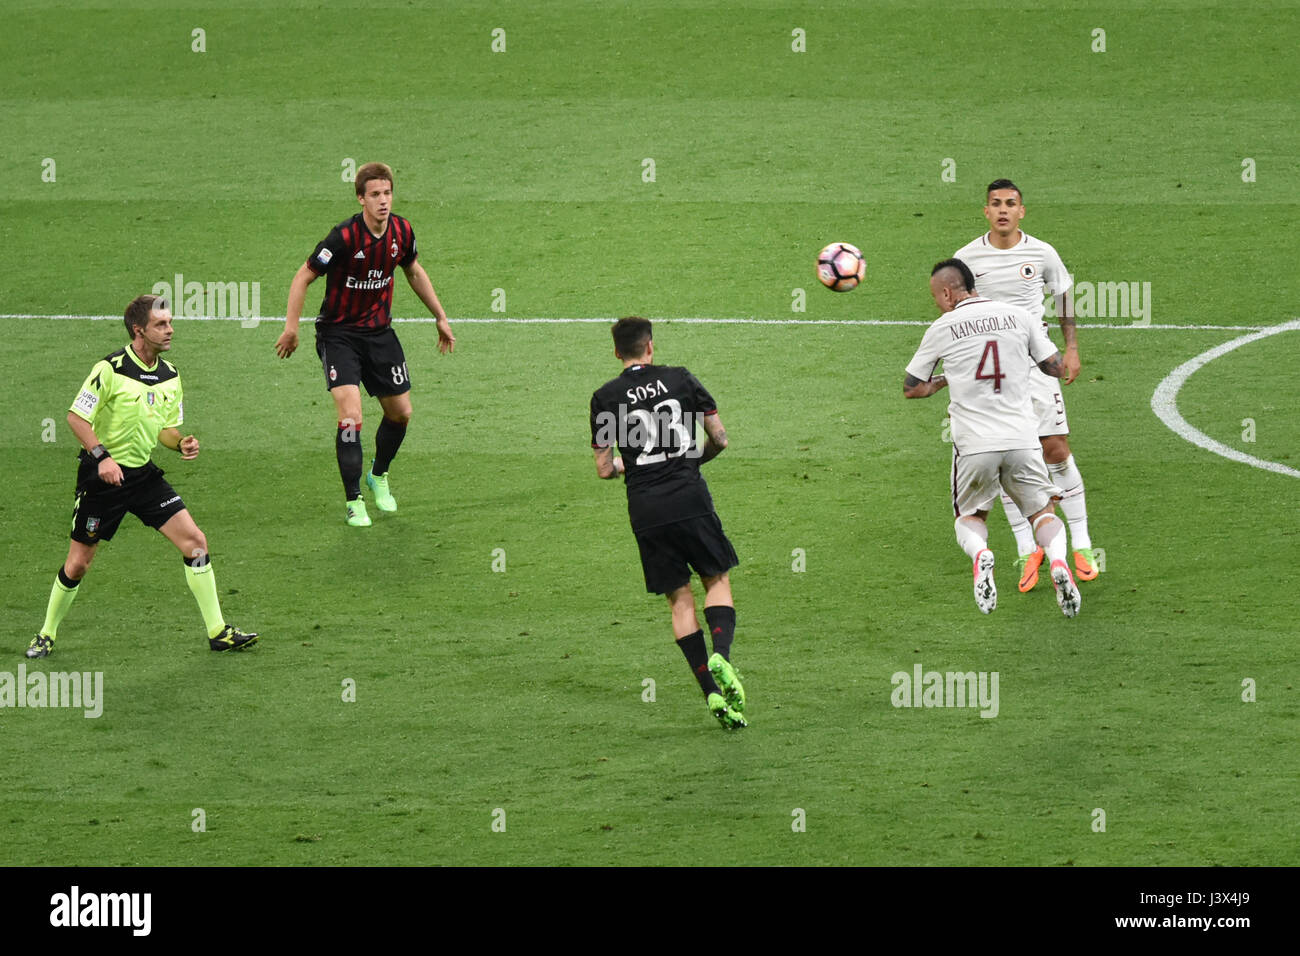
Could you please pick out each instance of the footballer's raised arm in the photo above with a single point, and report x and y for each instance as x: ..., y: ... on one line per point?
x: 717, y: 440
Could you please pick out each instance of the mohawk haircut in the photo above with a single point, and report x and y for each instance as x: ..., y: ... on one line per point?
x: 962, y: 270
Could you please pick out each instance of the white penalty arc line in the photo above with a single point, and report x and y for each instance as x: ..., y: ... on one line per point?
x: 1164, y: 401
x: 503, y: 320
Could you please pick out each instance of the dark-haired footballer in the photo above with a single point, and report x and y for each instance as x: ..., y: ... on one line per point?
x: 354, y: 332
x: 649, y: 414
x: 130, y: 402
x: 1012, y: 266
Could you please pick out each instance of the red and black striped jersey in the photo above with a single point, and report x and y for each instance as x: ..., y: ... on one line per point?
x: 358, y: 267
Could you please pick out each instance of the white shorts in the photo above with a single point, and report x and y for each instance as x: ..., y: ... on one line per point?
x: 1049, y: 405
x: 978, y: 480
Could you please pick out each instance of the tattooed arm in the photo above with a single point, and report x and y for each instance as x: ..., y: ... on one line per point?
x: 913, y: 387
x: 1054, y: 366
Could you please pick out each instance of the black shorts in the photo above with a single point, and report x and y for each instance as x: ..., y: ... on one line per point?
x: 669, y: 551
x: 100, y: 507
x: 369, y: 357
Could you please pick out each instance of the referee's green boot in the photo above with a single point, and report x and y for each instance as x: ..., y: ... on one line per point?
x: 378, y: 484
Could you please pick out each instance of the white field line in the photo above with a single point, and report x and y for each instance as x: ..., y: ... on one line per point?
x: 502, y: 320
x: 1164, y: 402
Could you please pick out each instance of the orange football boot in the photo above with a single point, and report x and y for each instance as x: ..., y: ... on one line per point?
x: 1029, y: 570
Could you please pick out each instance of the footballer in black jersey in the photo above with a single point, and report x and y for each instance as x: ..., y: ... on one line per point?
x: 649, y: 416
x: 354, y: 336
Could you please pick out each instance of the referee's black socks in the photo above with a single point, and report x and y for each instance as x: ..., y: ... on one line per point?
x: 697, y: 656
x: 722, y: 625
x: 347, y: 446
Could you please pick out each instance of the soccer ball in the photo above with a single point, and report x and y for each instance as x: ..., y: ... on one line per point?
x: 841, y: 267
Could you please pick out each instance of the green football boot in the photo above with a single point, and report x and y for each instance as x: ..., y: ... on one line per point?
x: 729, y: 681
x: 384, y: 499
x: 730, y: 719
x: 357, y: 516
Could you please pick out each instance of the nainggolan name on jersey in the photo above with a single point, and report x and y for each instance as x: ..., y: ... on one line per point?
x: 992, y: 323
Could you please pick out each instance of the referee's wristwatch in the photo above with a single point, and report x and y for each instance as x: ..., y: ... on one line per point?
x: 99, y: 453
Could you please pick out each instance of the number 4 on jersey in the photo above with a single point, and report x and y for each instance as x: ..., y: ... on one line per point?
x: 991, y: 349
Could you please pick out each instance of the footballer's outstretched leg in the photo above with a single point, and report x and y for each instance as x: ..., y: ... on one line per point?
x: 682, y: 602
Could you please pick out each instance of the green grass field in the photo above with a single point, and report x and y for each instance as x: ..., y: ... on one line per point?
x: 521, y: 690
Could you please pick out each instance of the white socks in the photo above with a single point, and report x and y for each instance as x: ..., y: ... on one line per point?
x: 972, y: 535
x: 1066, y: 477
x: 1049, y: 530
x: 1019, y: 527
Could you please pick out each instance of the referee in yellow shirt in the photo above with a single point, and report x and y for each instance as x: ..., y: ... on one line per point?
x: 128, y: 404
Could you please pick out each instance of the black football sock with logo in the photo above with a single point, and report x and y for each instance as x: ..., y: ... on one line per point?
x: 388, y: 438
x: 347, y: 446
x: 722, y: 625
x: 697, y: 657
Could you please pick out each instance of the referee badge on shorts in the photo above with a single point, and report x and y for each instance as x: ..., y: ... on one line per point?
x: 92, y: 525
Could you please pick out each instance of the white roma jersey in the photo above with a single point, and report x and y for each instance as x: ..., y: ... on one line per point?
x: 1019, y: 275
x: 987, y: 349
